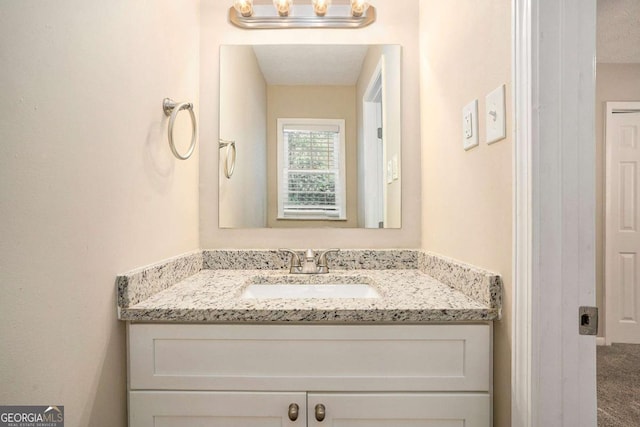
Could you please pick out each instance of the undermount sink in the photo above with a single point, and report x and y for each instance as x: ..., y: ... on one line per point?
x: 289, y: 291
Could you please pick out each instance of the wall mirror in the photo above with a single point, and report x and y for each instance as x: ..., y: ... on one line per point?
x: 310, y: 136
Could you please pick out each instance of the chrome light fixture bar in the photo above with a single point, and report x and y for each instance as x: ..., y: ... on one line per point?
x: 254, y: 22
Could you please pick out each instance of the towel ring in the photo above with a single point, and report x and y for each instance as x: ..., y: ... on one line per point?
x: 231, y: 146
x: 171, y: 109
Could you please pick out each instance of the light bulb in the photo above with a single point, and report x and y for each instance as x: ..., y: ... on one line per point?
x: 244, y: 7
x: 283, y: 6
x: 320, y: 6
x: 358, y: 7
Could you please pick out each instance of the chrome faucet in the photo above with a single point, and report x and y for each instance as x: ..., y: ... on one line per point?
x: 310, y: 265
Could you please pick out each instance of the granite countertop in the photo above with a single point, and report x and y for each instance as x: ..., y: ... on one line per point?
x: 409, y: 294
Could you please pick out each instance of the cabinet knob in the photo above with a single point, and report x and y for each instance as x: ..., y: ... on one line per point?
x: 293, y: 411
x: 320, y: 412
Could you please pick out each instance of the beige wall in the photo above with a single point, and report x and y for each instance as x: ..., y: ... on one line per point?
x: 88, y: 188
x: 394, y: 26
x: 244, y: 196
x: 614, y: 82
x: 329, y: 102
x: 467, y: 209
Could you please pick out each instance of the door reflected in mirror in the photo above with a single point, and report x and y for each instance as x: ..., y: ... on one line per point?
x: 317, y: 136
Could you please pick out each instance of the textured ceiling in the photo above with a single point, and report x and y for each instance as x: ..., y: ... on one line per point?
x: 618, y: 31
x: 321, y: 65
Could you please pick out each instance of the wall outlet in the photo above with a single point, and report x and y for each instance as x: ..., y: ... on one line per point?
x: 470, y: 125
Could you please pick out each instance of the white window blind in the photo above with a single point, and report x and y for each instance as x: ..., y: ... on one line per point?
x: 311, y: 158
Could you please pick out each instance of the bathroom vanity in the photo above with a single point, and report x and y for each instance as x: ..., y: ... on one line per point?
x: 203, y: 352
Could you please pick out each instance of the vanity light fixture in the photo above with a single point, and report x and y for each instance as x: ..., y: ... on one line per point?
x: 244, y: 7
x: 283, y: 7
x: 347, y: 14
x: 320, y: 6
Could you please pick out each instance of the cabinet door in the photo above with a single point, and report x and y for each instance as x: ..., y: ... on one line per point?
x: 200, y: 409
x: 400, y: 410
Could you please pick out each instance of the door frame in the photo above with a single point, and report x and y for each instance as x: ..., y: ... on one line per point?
x: 610, y: 109
x: 374, y: 88
x: 553, y: 368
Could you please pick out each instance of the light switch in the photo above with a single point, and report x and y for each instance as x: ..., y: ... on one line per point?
x: 389, y: 172
x: 470, y: 125
x: 394, y: 167
x: 496, y: 120
x: 468, y: 121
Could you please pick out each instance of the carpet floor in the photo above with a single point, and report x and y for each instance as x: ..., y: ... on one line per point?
x: 618, y: 370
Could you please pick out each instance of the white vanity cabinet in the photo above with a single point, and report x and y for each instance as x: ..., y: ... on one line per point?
x: 251, y: 375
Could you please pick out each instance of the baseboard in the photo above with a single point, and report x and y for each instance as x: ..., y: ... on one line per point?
x: 600, y: 341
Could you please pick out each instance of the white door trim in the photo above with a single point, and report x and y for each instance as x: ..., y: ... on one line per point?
x: 553, y: 368
x: 610, y: 109
x: 370, y: 182
x: 521, y: 353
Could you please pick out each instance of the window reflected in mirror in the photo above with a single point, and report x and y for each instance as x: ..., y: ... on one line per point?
x: 311, y: 165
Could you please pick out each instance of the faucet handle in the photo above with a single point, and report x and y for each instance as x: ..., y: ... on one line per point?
x: 323, y: 254
x: 295, y: 259
x: 323, y: 265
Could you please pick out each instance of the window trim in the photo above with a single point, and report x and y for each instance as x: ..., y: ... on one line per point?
x: 341, y: 196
